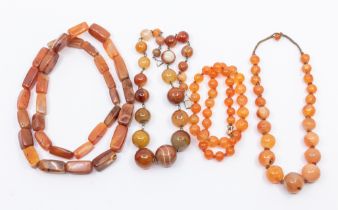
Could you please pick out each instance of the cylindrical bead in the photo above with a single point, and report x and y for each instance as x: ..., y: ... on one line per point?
x: 101, y: 64
x: 42, y: 83
x: 23, y: 119
x: 31, y: 156
x: 83, y: 150
x: 43, y: 140
x: 30, y: 78
x: 112, y: 116
x: 48, y: 62
x: 118, y: 138
x: 104, y: 160
x: 126, y: 114
x: 79, y: 167
x: 98, y: 32
x: 78, y: 29
x: 52, y: 166
x: 25, y: 138
x: 23, y: 99
x: 110, y: 48
x: 128, y: 90
x: 38, y: 122
x: 61, y: 152
x: 97, y: 133
x: 121, y: 68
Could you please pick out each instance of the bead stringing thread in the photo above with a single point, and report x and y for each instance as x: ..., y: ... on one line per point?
x: 310, y: 173
x: 42, y: 65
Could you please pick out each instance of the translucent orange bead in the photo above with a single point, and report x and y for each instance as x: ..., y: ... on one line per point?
x: 225, y: 142
x: 213, y: 141
x: 308, y: 78
x: 141, y: 46
x: 206, y: 70
x: 255, y: 69
x: 194, y: 87
x: 203, y: 145
x: 213, y: 73
x: 239, y: 78
x: 254, y: 59
x: 194, y: 119
x: 309, y: 110
x: 266, y: 158
x: 241, y: 125
x: 208, y: 154
x: 209, y: 103
x: 206, y: 123
x: 307, y: 68
x: 230, y: 151
x: 260, y: 101
x: 195, y: 108
x: 309, y: 124
x: 184, y: 86
x: 229, y: 82
x: 231, y: 111
x: 268, y: 141
x: 264, y: 127
x: 203, y: 135
x: 232, y: 69
x: 217, y: 67
x: 305, y: 58
x: 242, y: 100
x: 198, y: 78
x: 258, y: 90
x: 311, y: 88
x: 213, y: 83
x: 231, y: 120
x: 219, y: 156
x: 255, y: 80
x: 228, y: 102
x: 240, y: 89
x: 243, y: 112
x: 212, y: 93
x: 311, y: 139
x: 194, y: 129
x: 144, y: 62
x: 207, y: 113
x: 275, y: 174
x: 195, y: 97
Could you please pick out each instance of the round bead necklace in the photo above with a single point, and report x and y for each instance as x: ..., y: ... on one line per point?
x: 234, y: 81
x: 42, y: 65
x: 293, y: 181
x: 165, y: 155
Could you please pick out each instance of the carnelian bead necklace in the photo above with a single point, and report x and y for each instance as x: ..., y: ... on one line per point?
x: 38, y: 74
x: 310, y: 173
x: 166, y: 154
x: 234, y: 80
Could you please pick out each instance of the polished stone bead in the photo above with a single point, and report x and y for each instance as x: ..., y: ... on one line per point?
x: 312, y: 155
x: 140, y: 138
x: 83, y: 150
x: 98, y: 32
x: 175, y: 95
x: 187, y: 51
x: 104, y: 160
x: 23, y: 119
x: 39, y: 57
x: 169, y: 76
x: 25, y: 138
x: 156, y: 52
x: 114, y: 95
x: 61, y: 152
x: 180, y: 118
x: 110, y: 48
x: 79, y: 167
x: 101, y: 64
x: 112, y: 116
x: 170, y: 41
x: 180, y: 140
x: 166, y: 155
x: 182, y: 37
x: 108, y: 78
x: 89, y: 48
x: 140, y: 79
x: 38, y: 122
x: 30, y: 78
x: 126, y: 114
x: 142, y: 115
x: 78, y: 29
x: 52, y: 166
x: 293, y: 182
x: 48, y: 62
x: 42, y: 83
x: 118, y: 138
x: 31, y: 156
x: 168, y: 57
x: 60, y: 43
x: 311, y: 173
x: 266, y: 158
x: 23, y: 99
x: 75, y: 43
x: 141, y: 95
x: 144, y: 158
x: 183, y: 66
x: 41, y: 103
x: 121, y: 68
x: 43, y: 140
x: 128, y: 91
x: 97, y: 133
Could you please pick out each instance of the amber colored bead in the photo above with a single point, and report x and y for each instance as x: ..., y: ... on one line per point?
x: 309, y: 110
x: 156, y: 32
x: 194, y: 130
x: 263, y: 112
x: 213, y: 141
x: 307, y: 68
x: 60, y: 43
x: 212, y: 93
x: 175, y: 95
x: 114, y: 96
x: 140, y: 138
x: 198, y: 78
x: 23, y: 119
x: 142, y: 115
x: 311, y: 139
x: 183, y: 66
x: 78, y: 29
x: 194, y: 87
x: 308, y: 78
x: 121, y: 68
x: 108, y: 78
x: 112, y: 116
x: 208, y: 154
x: 141, y: 95
x: 187, y: 51
x: 255, y: 80
x: 118, y: 138
x: 104, y: 160
x: 209, y: 103
x: 125, y: 114
x: 264, y: 127
x: 266, y: 158
x: 182, y: 37
x: 159, y: 40
x: 97, y: 133
x: 61, y: 152
x: 255, y: 69
x: 194, y: 119
x: 225, y: 142
x: 144, y: 158
x: 230, y: 92
x: 166, y: 155
x: 240, y: 89
x: 312, y: 155
x: 169, y: 76
x: 207, y: 113
x: 141, y: 46
x: 140, y: 79
x: 83, y: 150
x: 43, y: 140
x: 203, y: 145
x: 241, y: 125
x: 128, y: 91
x: 41, y: 103
x: 184, y: 86
x: 195, y: 97
x: 305, y: 58
x: 243, y: 112
x: 231, y: 120
x: 170, y: 41
x: 31, y: 156
x: 310, y: 173
x: 203, y: 135
x: 42, y: 83
x: 260, y: 101
x: 275, y: 174
x: 110, y: 48
x: 144, y: 62
x: 180, y: 118
x: 310, y: 99
x: 180, y: 139
x: 98, y: 32
x: 101, y: 64
x: 195, y: 108
x: 75, y: 43
x: 213, y: 83
x: 268, y: 141
x: 311, y: 88
x: 254, y: 59
x: 79, y: 167
x: 52, y: 166
x: 38, y: 122
x: 25, y: 138
x: 23, y: 99
x: 258, y: 90
x: 39, y: 57
x: 242, y: 100
x: 30, y: 78
x: 219, y: 156
x: 90, y: 49
x: 293, y: 182
x: 48, y: 62
x: 309, y: 124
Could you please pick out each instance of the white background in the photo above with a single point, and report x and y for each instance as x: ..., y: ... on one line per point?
x: 220, y: 31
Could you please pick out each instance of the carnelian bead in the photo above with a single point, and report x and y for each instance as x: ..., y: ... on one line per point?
x: 229, y: 82
x: 255, y: 69
x: 258, y: 90
x: 203, y: 145
x: 263, y: 112
x: 260, y: 101
x: 264, y: 127
x: 309, y: 124
x: 198, y: 78
x: 268, y: 141
x: 213, y: 83
x: 308, y: 78
x: 212, y: 73
x: 206, y: 123
x: 232, y: 69
x: 239, y: 78
x: 255, y: 80
x: 231, y: 120
x: 195, y: 108
x: 183, y: 86
x: 305, y: 58
x: 241, y: 125
x: 254, y: 59
x: 228, y: 102
x: 310, y: 99
x: 206, y: 70
x: 218, y: 67
x: 311, y: 88
x: 307, y: 68
x: 310, y: 173
x: 243, y: 112
x: 230, y: 92
x: 312, y: 155
x: 236, y: 135
x: 203, y: 135
x: 225, y: 142
x: 23, y: 99
x: 240, y: 89
x: 219, y: 156
x: 194, y: 129
x: 309, y: 110
x: 213, y: 141
x: 231, y: 111
x: 141, y: 46
x: 242, y: 100
x: 266, y: 158
x: 194, y: 119
x: 209, y: 102
x: 208, y: 154
x: 195, y: 97
x: 194, y: 87
x: 144, y: 62
x: 230, y: 151
x: 212, y: 93
x: 275, y: 174
x: 207, y: 113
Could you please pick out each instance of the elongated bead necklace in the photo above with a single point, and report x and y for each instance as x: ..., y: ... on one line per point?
x: 42, y: 66
x: 310, y: 173
x: 166, y: 154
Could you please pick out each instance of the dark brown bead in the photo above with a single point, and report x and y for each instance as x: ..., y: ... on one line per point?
x: 60, y: 43
x: 128, y: 90
x: 142, y: 115
x: 38, y: 122
x: 166, y: 155
x: 187, y: 51
x: 170, y: 41
x: 118, y: 138
x: 75, y: 43
x: 48, y: 62
x: 156, y: 52
x: 114, y: 96
x: 52, y: 166
x: 39, y: 57
x: 126, y: 114
x: 182, y: 37
x: 30, y: 78
x: 23, y: 119
x: 141, y: 95
x: 61, y: 152
x: 98, y: 32
x: 79, y: 167
x: 104, y: 160
x: 144, y: 158
x: 121, y: 68
x: 175, y: 95
x: 112, y: 116
x: 25, y: 138
x: 183, y: 66
x: 180, y: 140
x: 89, y: 48
x: 140, y: 79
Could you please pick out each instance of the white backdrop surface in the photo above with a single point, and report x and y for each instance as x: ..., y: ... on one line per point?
x: 220, y: 31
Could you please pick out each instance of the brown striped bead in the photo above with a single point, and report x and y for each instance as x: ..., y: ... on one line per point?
x: 23, y: 99
x: 52, y: 166
x: 90, y: 49
x: 114, y: 96
x: 112, y: 116
x: 39, y: 57
x: 83, y: 150
x: 97, y: 133
x: 110, y: 48
x: 43, y: 140
x: 108, y: 78
x: 75, y: 43
x: 31, y: 156
x: 128, y: 90
x: 25, y: 138
x: 23, y: 119
x: 166, y: 155
x: 42, y: 83
x: 60, y: 43
x: 30, y: 78
x: 101, y: 64
x: 118, y: 138
x: 121, y: 68
x: 98, y: 32
x: 41, y: 103
x: 78, y: 29
x: 104, y: 160
x: 61, y: 152
x: 79, y: 167
x: 126, y: 114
